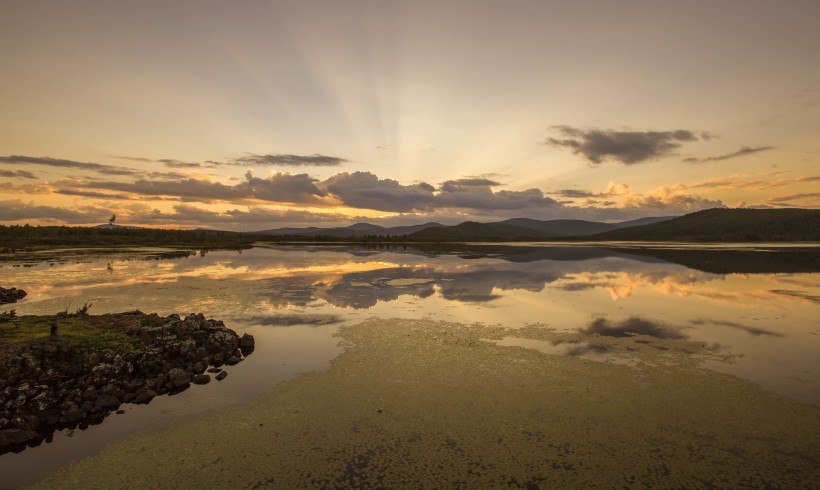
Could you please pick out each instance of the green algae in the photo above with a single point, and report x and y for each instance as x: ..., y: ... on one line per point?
x: 430, y: 404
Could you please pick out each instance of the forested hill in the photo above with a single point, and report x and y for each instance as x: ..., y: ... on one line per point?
x: 23, y: 237
x: 727, y: 225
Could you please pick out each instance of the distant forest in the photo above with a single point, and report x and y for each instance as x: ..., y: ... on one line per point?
x: 24, y: 237
x: 713, y: 225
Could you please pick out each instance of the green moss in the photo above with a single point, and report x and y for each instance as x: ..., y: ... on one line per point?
x: 83, y: 332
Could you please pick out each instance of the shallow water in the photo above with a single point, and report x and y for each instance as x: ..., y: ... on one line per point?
x: 754, y: 309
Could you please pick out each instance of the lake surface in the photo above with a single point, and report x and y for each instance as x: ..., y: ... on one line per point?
x: 755, y: 309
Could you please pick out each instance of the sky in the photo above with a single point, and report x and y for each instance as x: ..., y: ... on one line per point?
x: 250, y: 115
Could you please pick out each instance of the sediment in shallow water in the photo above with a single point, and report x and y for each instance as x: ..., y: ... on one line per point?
x: 430, y: 404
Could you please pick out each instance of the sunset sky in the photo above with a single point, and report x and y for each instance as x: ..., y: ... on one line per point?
x: 248, y: 115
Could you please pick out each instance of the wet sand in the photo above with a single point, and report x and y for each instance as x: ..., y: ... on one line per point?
x: 419, y: 403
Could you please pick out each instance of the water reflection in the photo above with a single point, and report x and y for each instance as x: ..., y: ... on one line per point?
x: 761, y: 304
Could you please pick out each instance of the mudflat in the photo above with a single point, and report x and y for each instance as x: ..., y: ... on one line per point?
x: 432, y: 404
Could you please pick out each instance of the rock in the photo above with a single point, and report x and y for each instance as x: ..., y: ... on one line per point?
x: 187, y: 348
x: 73, y: 415
x: 179, y: 378
x: 233, y: 360
x: 107, y: 401
x: 222, y: 375
x: 201, y: 379
x: 145, y: 396
x: 214, y: 370
x: 15, y: 437
x: 247, y: 344
x: 11, y: 295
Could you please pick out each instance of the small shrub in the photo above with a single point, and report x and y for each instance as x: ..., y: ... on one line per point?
x: 83, y: 310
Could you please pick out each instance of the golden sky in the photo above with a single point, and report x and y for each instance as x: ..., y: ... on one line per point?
x: 250, y: 115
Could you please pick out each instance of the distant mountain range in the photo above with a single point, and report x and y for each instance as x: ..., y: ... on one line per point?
x: 511, y: 229
x: 357, y: 230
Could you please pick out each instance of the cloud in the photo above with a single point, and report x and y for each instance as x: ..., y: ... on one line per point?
x: 168, y: 162
x: 17, y: 210
x: 746, y: 150
x: 466, y: 184
x: 738, y: 182
x: 807, y: 198
x: 315, y: 160
x: 279, y: 187
x: 574, y: 193
x: 20, y: 174
x: 627, y: 147
x: 366, y: 190
x: 93, y: 195
x: 61, y: 163
x: 632, y: 326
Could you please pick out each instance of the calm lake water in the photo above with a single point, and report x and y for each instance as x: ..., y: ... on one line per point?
x: 759, y: 304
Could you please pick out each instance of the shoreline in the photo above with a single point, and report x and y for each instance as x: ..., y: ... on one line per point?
x: 96, y: 363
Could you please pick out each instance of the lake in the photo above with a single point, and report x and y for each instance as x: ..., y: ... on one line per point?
x: 740, y: 320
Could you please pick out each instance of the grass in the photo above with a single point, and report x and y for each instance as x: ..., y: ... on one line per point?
x: 81, y: 331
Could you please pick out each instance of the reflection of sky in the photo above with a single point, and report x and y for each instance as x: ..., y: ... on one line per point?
x: 769, y: 318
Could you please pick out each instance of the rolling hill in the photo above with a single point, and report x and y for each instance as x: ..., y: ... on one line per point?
x: 355, y: 230
x: 727, y: 225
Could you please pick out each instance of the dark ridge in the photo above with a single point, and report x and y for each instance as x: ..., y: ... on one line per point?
x: 727, y: 225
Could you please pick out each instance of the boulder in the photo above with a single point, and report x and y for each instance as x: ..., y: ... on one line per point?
x: 15, y: 437
x: 107, y: 401
x: 11, y: 295
x: 178, y: 377
x: 201, y: 379
x: 247, y: 344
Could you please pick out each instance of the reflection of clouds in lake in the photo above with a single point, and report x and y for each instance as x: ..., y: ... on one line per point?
x: 475, y: 283
x: 797, y: 294
x: 632, y: 326
x: 277, y: 320
x: 756, y: 331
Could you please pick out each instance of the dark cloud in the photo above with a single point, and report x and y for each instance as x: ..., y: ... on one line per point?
x: 20, y: 174
x: 168, y: 162
x: 92, y: 194
x: 477, y: 193
x: 627, y: 147
x: 783, y: 200
x: 178, y: 164
x: 466, y: 184
x: 632, y: 326
x: 289, y: 160
x: 16, y: 210
x: 366, y: 190
x: 746, y: 150
x: 280, y: 187
x: 58, y: 162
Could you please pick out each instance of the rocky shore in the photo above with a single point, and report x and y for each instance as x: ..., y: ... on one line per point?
x: 11, y: 295
x: 78, y: 369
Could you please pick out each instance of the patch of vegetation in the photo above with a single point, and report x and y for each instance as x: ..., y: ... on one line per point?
x: 81, y: 331
x: 25, y: 237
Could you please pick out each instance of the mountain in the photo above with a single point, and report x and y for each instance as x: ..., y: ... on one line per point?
x: 355, y: 230
x: 470, y: 231
x: 727, y: 225
x: 642, y: 221
x: 518, y: 229
x: 562, y: 227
